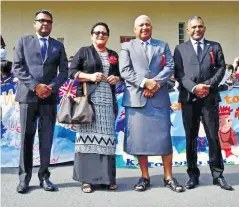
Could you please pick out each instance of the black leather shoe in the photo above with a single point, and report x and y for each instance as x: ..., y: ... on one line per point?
x: 222, y: 183
x: 192, y: 183
x: 23, y: 187
x: 47, y: 185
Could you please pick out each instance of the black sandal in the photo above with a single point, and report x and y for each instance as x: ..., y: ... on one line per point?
x: 86, y: 188
x: 174, y: 185
x: 142, y: 185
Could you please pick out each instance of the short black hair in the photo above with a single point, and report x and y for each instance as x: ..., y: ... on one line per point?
x: 6, y: 66
x: 101, y: 24
x: 44, y: 11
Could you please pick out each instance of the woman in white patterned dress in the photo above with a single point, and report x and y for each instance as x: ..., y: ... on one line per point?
x: 95, y: 143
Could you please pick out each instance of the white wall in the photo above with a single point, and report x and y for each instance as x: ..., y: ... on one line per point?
x: 73, y: 21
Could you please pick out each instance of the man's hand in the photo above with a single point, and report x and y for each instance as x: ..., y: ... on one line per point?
x: 147, y: 93
x: 152, y: 85
x: 112, y: 79
x: 43, y: 90
x: 201, y: 90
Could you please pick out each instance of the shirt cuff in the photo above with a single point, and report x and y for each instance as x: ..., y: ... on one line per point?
x: 193, y: 89
x: 143, y: 83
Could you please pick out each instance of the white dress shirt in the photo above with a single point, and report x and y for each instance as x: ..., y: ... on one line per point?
x: 194, y: 43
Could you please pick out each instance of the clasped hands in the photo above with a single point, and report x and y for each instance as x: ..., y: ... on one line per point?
x: 201, y: 90
x: 151, y: 86
x: 43, y: 90
x: 97, y: 77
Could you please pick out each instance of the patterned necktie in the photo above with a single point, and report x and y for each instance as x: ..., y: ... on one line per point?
x: 43, y: 48
x: 199, y: 50
x: 146, y: 49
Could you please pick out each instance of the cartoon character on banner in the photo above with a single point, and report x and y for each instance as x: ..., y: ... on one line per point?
x: 226, y: 133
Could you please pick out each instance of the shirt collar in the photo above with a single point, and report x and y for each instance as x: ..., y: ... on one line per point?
x: 195, y: 41
x: 38, y: 36
x: 148, y: 41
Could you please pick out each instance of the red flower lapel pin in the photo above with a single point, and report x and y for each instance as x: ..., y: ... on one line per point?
x: 113, y: 60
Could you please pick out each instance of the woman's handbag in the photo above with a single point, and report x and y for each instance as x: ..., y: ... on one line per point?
x: 76, y: 110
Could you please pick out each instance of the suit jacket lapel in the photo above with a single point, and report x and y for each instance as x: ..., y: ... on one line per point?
x: 37, y: 46
x: 140, y: 50
x: 98, y: 67
x: 191, y: 50
x: 49, y: 49
x: 205, y: 50
x: 151, y: 49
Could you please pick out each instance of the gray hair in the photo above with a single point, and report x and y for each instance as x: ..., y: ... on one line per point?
x: 141, y: 16
x: 193, y: 18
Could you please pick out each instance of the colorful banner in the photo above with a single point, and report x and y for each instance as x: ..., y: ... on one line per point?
x: 64, y: 135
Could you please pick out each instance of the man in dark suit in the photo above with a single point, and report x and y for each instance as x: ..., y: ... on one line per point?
x: 199, y: 68
x: 37, y: 59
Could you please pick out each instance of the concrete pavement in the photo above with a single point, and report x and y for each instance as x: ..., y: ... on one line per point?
x: 70, y: 194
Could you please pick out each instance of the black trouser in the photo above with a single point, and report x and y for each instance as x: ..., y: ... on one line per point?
x: 31, y: 115
x: 191, y: 113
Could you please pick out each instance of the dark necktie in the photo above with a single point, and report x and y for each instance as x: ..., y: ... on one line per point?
x: 43, y: 48
x: 199, y: 50
x: 145, y: 45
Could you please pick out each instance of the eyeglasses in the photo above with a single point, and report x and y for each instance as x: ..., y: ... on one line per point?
x: 44, y: 21
x: 99, y: 32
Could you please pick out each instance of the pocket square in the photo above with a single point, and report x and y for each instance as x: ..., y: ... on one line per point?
x: 163, y: 61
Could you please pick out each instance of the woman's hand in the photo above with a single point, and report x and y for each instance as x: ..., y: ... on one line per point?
x: 112, y: 79
x: 96, y: 77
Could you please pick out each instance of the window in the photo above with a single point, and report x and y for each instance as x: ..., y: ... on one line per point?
x: 181, y: 29
x: 126, y: 38
x: 60, y: 39
x: 3, y: 45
